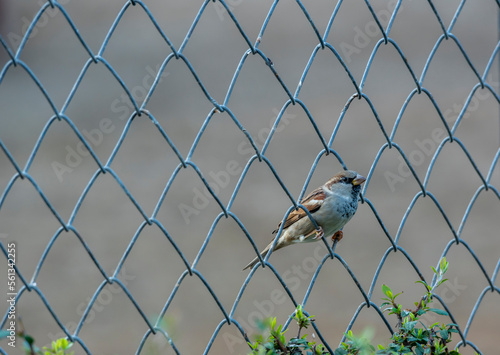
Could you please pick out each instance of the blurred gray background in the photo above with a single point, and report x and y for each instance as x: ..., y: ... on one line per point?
x: 108, y: 221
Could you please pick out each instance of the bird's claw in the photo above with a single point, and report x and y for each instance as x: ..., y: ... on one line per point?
x: 319, y: 233
x: 338, y: 236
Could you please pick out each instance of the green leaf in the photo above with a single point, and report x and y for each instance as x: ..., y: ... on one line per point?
x: 29, y: 339
x: 387, y: 291
x: 443, y: 265
x: 424, y: 283
x: 434, y: 324
x: 410, y: 325
x: 444, y: 334
x: 421, y: 311
x: 63, y: 344
x: 300, y: 314
x: 438, y: 311
x: 278, y: 330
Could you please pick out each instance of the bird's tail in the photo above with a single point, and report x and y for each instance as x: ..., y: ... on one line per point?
x: 263, y: 255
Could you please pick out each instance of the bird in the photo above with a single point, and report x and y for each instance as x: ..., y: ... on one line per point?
x: 331, y: 205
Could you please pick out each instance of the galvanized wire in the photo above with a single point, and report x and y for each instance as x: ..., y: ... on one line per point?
x: 29, y: 284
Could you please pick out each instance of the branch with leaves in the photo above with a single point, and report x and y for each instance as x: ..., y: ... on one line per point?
x: 412, y: 336
x: 275, y: 343
x: 58, y: 347
x: 411, y: 339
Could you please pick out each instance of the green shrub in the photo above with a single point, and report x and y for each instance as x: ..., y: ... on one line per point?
x: 412, y: 336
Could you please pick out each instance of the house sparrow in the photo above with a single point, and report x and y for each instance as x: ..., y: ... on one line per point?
x: 331, y: 205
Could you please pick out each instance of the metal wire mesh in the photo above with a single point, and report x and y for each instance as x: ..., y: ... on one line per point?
x: 140, y: 109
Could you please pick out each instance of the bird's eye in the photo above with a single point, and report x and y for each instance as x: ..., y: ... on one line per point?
x: 346, y: 179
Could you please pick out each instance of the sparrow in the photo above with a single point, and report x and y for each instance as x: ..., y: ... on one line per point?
x: 331, y: 205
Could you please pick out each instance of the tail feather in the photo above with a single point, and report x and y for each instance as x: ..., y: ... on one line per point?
x: 263, y: 255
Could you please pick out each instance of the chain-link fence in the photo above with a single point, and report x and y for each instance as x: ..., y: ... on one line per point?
x: 148, y: 149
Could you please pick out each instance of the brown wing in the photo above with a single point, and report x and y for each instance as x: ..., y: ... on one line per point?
x: 312, y: 202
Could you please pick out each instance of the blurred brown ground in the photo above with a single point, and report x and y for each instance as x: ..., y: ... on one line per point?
x: 107, y: 220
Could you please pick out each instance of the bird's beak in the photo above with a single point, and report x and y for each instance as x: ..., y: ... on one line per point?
x: 358, y: 180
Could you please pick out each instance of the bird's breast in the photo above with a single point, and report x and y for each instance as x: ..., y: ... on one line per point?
x: 337, y: 212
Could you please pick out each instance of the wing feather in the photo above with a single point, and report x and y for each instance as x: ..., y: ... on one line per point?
x: 312, y: 202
